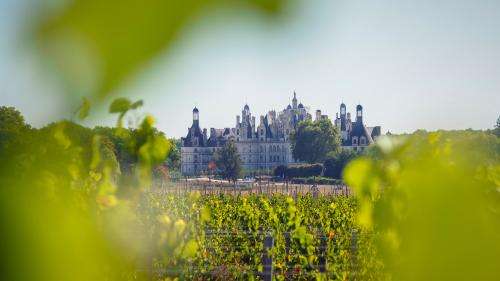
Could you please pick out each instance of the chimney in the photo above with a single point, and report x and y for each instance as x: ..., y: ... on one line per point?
x: 205, y: 133
x: 237, y: 120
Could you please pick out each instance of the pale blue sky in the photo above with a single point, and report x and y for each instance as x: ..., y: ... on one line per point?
x: 427, y: 64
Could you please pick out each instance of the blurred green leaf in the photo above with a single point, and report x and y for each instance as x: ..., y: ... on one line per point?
x: 84, y: 109
x: 190, y: 249
x: 120, y: 105
x: 136, y: 104
x: 435, y: 202
x: 96, y: 44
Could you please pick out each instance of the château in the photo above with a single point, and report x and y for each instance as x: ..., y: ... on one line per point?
x: 267, y: 145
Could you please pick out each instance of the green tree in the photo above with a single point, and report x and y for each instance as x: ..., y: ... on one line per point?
x: 15, y: 136
x: 313, y: 141
x: 334, y: 165
x: 496, y: 131
x: 12, y: 124
x: 174, y: 157
x: 228, y: 162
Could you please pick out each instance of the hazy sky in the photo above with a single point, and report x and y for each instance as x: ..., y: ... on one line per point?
x: 412, y: 64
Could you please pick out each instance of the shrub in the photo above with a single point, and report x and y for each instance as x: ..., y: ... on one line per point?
x: 317, y: 180
x: 302, y: 171
x: 280, y: 171
x: 334, y: 166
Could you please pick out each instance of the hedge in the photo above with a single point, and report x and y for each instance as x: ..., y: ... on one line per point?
x: 317, y: 180
x: 301, y: 171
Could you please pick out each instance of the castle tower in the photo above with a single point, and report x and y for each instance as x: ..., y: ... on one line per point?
x: 359, y: 114
x: 246, y: 114
x: 343, y: 119
x: 196, y: 117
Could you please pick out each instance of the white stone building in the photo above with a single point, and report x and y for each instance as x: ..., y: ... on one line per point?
x: 266, y: 146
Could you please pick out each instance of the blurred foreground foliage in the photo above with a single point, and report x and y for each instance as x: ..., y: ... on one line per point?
x: 68, y: 195
x: 435, y: 200
x: 97, y: 45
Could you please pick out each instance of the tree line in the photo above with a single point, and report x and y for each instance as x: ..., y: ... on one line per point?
x: 120, y: 146
x: 317, y: 145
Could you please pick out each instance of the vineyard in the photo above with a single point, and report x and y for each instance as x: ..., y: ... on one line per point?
x: 76, y: 206
x: 259, y: 237
x: 257, y: 188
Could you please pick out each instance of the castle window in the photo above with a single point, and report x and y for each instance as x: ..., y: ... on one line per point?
x: 355, y: 141
x: 238, y: 132
x: 362, y: 141
x: 262, y: 131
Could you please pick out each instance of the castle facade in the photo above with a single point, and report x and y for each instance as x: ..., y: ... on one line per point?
x: 266, y: 146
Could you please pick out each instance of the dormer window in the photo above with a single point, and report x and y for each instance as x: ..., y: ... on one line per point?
x: 355, y: 141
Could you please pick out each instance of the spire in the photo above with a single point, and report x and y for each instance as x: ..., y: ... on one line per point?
x: 294, y: 100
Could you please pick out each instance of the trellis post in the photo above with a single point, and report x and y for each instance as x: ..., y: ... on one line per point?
x: 267, y: 259
x: 354, y: 250
x: 322, y: 254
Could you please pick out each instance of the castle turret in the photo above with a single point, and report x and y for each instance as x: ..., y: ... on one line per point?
x: 294, y: 101
x: 343, y: 119
x: 359, y: 114
x: 196, y: 117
